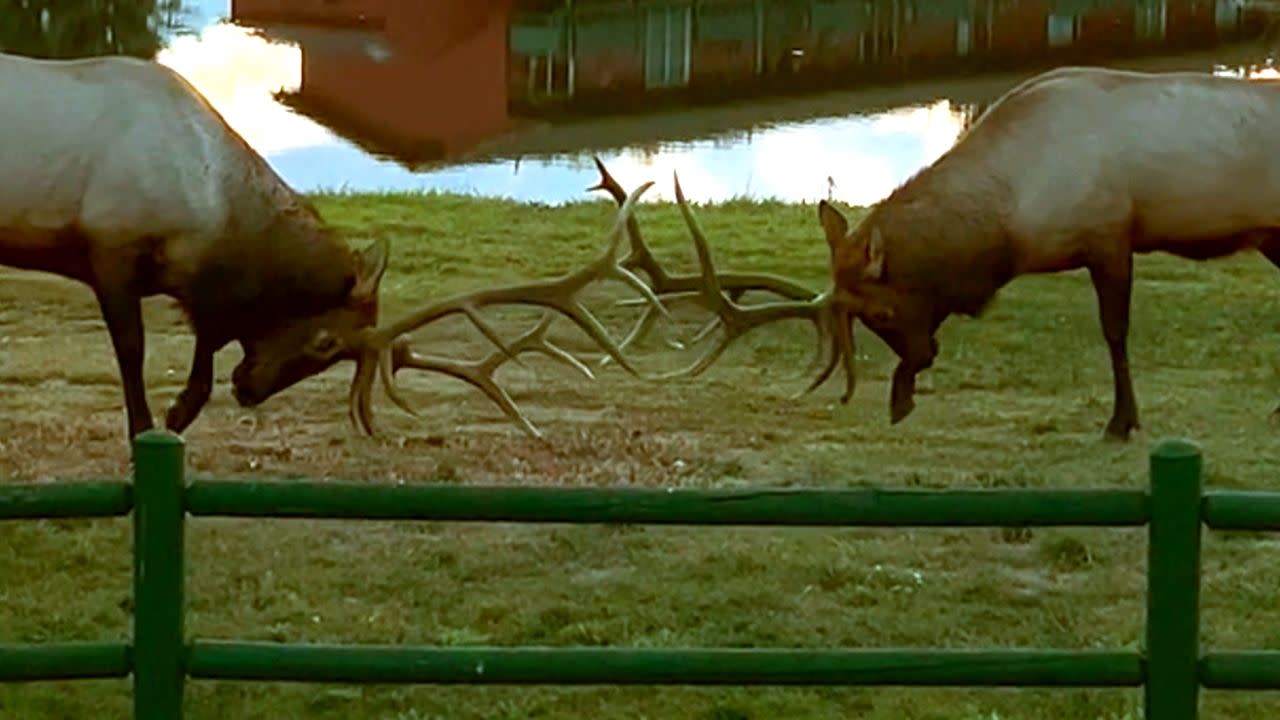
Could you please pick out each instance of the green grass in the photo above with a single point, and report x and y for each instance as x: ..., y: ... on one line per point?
x: 1017, y: 398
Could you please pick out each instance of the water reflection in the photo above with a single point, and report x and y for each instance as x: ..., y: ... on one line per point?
x: 240, y: 73
x: 510, y: 97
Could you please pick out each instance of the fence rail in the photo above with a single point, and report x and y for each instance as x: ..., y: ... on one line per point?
x: 65, y: 500
x: 64, y: 661
x: 712, y: 666
x: 854, y: 507
x: 1171, y: 668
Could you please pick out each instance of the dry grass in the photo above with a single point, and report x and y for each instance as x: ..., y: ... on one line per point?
x: 1017, y: 398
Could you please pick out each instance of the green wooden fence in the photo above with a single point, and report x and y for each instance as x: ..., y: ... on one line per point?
x: 161, y: 657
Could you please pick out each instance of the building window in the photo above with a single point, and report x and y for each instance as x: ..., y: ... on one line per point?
x: 1150, y: 20
x: 1062, y: 30
x: 666, y: 45
x: 1226, y: 13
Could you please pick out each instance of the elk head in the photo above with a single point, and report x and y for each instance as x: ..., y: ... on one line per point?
x: 307, y: 346
x: 904, y: 320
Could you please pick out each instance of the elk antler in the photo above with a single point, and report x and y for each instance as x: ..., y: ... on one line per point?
x: 479, y: 373
x: 828, y: 310
x: 687, y: 286
x: 385, y: 352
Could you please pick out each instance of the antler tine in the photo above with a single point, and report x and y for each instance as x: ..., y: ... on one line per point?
x: 360, y: 405
x: 479, y: 373
x: 841, y: 349
x: 387, y: 371
x: 640, y: 256
x: 736, y: 319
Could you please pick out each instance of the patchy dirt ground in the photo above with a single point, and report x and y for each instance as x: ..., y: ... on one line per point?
x: 1018, y: 398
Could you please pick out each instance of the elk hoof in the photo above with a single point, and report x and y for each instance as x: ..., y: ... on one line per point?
x: 176, y: 420
x: 898, y: 411
x: 1118, y: 430
x: 183, y: 410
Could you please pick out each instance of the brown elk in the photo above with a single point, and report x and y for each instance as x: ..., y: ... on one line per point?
x: 1075, y: 168
x: 120, y: 175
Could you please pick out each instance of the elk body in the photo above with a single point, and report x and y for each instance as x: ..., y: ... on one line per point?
x: 118, y: 174
x: 1075, y: 168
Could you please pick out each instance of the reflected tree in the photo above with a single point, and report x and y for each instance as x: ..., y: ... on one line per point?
x: 82, y: 28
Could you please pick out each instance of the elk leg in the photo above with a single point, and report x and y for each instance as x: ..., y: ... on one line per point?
x: 902, y: 395
x: 122, y: 311
x: 1113, y: 283
x: 193, y: 397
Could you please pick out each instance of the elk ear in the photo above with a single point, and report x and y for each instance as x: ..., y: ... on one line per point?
x: 833, y: 224
x: 371, y: 264
x: 874, y: 268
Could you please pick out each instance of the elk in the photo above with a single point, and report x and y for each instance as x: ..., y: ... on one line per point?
x: 120, y: 175
x: 1076, y: 168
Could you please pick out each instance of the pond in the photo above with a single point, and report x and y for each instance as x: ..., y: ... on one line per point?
x: 787, y: 99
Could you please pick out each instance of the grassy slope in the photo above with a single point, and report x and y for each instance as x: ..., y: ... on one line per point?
x: 1016, y: 399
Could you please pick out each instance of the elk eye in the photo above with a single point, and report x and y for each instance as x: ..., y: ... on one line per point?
x: 323, y: 344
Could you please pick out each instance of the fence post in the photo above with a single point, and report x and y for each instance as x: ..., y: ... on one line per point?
x: 1173, y: 583
x: 158, y: 515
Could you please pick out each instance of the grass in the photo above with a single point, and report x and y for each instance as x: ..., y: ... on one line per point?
x: 1017, y: 398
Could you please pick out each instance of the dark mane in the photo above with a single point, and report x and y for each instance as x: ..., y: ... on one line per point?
x: 290, y: 265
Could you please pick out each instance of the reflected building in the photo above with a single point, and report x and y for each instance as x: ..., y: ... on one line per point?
x: 587, y: 56
x: 424, y: 82
x: 417, y: 81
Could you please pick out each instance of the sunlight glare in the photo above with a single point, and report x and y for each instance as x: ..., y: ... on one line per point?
x: 937, y: 126
x: 865, y: 157
x: 238, y: 71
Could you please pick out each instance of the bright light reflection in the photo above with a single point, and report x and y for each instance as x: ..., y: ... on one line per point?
x: 1266, y: 72
x: 860, y: 159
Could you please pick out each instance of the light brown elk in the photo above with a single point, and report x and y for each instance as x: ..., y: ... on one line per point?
x: 120, y: 175
x: 1075, y: 168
